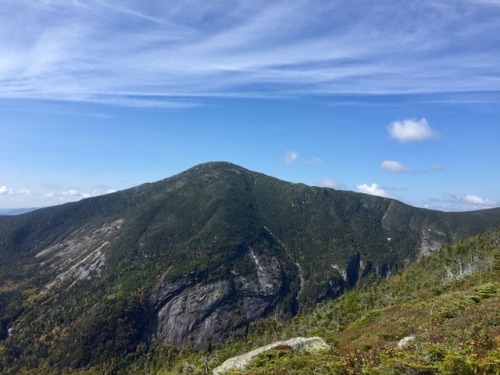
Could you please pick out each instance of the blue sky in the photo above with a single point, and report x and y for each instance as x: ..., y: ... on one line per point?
x: 399, y: 99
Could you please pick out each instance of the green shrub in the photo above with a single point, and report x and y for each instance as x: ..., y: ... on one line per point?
x: 455, y: 364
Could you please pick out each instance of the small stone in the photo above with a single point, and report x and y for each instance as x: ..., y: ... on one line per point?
x: 405, y: 341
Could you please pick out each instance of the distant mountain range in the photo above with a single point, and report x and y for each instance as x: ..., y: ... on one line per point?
x: 16, y: 211
x: 194, y: 259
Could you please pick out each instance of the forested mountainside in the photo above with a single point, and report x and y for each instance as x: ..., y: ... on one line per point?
x: 440, y: 315
x: 193, y: 260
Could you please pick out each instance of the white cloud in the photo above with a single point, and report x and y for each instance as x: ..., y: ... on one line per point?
x: 329, y: 183
x: 373, y: 189
x: 393, y: 166
x: 4, y: 190
x: 290, y: 157
x: 75, y: 193
x: 411, y: 130
x: 71, y: 193
x: 475, y: 200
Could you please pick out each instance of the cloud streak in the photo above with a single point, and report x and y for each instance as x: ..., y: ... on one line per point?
x: 47, y: 198
x: 75, y: 193
x: 330, y: 183
x: 393, y: 166
x: 290, y: 157
x: 5, y: 190
x: 315, y: 160
x: 158, y: 54
x: 474, y: 200
x: 457, y: 202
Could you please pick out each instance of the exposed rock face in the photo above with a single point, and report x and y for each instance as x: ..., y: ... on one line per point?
x: 196, y: 309
x: 80, y: 255
x: 428, y: 243
x: 309, y: 345
x: 210, y: 308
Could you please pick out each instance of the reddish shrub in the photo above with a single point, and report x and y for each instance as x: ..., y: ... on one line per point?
x: 283, y: 347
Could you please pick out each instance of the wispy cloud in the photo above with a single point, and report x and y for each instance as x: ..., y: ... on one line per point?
x: 411, y: 130
x: 56, y: 193
x: 458, y: 202
x: 75, y: 193
x: 330, y: 183
x: 315, y: 160
x: 78, y: 194
x: 436, y: 167
x: 5, y: 190
x: 159, y: 54
x: 474, y: 200
x: 393, y: 166
x: 290, y: 157
x: 25, y: 192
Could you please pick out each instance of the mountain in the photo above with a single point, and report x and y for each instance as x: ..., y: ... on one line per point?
x: 195, y: 259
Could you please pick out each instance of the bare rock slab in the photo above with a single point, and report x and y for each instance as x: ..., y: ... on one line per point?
x: 309, y: 345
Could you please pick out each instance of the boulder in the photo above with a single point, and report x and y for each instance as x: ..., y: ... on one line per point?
x: 405, y: 341
x: 309, y: 345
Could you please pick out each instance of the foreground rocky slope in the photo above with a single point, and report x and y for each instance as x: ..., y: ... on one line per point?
x: 195, y: 259
x: 440, y: 316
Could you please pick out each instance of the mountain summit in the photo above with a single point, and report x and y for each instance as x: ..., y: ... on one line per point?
x: 195, y: 258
